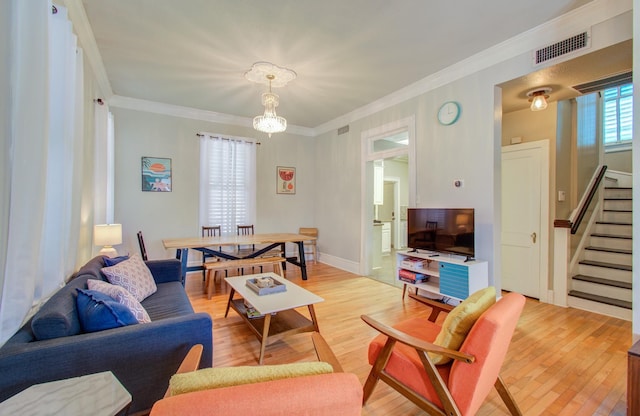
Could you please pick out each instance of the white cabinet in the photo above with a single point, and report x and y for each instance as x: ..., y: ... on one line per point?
x: 386, y: 238
x: 444, y: 275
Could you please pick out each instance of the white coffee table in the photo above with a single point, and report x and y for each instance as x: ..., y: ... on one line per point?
x: 279, y: 317
x: 99, y: 394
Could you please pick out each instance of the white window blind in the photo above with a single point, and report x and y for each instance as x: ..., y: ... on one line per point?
x: 618, y: 115
x: 227, y: 182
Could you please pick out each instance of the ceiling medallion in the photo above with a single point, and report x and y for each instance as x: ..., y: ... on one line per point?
x: 274, y: 76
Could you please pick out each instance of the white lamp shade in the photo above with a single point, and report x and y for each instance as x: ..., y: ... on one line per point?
x: 107, y: 234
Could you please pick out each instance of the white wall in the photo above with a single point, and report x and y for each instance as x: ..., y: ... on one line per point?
x: 175, y: 214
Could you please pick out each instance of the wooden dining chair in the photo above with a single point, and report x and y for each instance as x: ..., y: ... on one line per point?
x: 246, y: 230
x: 446, y: 381
x: 143, y: 250
x: 210, y: 231
x: 311, y: 244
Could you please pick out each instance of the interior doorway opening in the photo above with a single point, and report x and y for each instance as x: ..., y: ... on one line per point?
x: 387, y: 174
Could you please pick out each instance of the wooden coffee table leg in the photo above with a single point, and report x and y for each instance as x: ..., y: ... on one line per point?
x: 231, y: 293
x: 265, y: 336
x: 312, y: 312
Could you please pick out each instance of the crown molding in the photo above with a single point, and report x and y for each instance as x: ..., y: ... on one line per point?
x: 83, y: 30
x: 547, y: 33
x: 137, y: 104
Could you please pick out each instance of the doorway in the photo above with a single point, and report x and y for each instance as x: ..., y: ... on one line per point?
x: 387, y: 166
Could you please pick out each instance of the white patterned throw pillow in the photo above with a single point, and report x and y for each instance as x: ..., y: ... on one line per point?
x: 122, y: 296
x: 133, y: 275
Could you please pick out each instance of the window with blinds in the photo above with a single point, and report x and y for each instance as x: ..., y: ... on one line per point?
x: 227, y: 182
x: 617, y: 116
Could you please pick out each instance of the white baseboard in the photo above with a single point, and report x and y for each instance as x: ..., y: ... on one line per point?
x: 340, y: 263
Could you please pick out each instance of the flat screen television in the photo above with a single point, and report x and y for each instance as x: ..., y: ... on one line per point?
x: 445, y: 230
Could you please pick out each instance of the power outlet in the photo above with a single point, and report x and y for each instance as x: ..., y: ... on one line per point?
x: 458, y: 183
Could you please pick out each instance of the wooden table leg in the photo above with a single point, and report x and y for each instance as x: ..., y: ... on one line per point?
x: 231, y: 293
x: 303, y: 263
x: 265, y: 336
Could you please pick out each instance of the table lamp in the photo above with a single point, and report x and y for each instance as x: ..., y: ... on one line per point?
x: 107, y: 235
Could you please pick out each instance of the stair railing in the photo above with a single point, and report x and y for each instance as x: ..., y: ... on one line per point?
x: 587, y: 199
x: 564, y: 229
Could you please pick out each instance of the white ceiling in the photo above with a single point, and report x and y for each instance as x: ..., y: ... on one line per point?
x: 347, y: 53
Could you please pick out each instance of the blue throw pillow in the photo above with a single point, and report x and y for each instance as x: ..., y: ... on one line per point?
x: 98, y: 311
x: 112, y: 261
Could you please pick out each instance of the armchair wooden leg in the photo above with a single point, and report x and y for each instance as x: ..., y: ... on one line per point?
x: 507, y: 398
x: 378, y: 366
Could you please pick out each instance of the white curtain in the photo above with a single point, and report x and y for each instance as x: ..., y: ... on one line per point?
x: 104, y: 164
x: 227, y: 182
x: 45, y: 158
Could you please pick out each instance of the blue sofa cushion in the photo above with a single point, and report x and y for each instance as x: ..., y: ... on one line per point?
x: 58, y: 317
x: 98, y: 311
x: 112, y: 261
x: 170, y: 300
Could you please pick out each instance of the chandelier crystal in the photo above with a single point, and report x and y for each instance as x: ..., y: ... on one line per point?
x: 266, y: 72
x: 270, y: 122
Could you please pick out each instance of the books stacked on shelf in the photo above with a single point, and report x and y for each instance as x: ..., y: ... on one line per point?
x: 412, y: 277
x: 415, y: 263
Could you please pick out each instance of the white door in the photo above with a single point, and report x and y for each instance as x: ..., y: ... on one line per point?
x: 523, y: 205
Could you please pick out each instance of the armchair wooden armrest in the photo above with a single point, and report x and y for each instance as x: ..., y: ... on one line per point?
x: 324, y: 352
x: 435, y: 305
x: 190, y: 363
x: 418, y: 344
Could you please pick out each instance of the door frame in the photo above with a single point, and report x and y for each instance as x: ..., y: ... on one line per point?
x: 366, y: 178
x: 545, y: 209
x: 395, y: 237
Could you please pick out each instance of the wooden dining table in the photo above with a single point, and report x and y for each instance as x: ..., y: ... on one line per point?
x: 215, y: 246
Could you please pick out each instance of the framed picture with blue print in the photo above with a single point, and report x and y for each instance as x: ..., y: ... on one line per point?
x: 156, y: 174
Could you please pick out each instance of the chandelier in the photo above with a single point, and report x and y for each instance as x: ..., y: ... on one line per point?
x: 265, y: 72
x: 270, y: 122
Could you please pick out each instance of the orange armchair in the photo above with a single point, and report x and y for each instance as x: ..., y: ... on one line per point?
x: 400, y: 358
x: 336, y: 393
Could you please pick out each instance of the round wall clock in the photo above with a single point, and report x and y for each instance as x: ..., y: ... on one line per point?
x: 449, y: 113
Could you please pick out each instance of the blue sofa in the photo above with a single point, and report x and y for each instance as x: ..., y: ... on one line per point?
x: 142, y: 356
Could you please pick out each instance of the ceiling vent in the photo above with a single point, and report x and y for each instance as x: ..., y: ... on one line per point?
x: 604, y: 83
x: 558, y: 49
x: 343, y: 130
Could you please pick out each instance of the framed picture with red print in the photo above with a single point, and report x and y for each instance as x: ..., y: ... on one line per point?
x: 285, y: 180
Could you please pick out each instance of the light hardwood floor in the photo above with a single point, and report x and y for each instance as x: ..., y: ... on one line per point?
x: 560, y: 362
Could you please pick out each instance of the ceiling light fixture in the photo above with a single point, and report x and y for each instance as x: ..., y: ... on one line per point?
x: 275, y: 76
x: 538, y: 98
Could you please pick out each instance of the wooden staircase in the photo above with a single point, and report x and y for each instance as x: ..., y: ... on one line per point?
x: 602, y: 283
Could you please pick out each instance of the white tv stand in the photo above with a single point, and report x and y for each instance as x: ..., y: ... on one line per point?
x: 449, y: 275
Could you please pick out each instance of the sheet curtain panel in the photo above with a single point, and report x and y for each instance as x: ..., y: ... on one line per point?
x: 41, y: 215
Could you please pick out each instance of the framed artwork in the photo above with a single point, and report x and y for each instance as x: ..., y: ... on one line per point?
x: 285, y: 180
x: 156, y: 174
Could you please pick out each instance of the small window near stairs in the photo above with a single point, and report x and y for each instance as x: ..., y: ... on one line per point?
x: 617, y: 117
